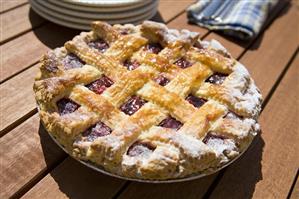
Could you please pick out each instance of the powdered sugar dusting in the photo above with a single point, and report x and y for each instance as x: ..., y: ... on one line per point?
x: 220, y: 145
x: 191, y: 146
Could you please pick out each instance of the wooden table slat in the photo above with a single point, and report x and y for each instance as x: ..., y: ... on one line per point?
x: 66, y: 181
x: 169, y: 9
x: 10, y: 4
x: 18, y: 95
x: 269, y: 167
x: 181, y: 22
x: 26, y: 153
x: 18, y: 21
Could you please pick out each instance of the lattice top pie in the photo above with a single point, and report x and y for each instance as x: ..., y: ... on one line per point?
x: 147, y: 101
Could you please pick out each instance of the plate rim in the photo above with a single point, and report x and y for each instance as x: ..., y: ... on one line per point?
x: 96, y: 9
x: 69, y: 19
x: 88, y: 15
x: 110, y: 3
x: 79, y: 26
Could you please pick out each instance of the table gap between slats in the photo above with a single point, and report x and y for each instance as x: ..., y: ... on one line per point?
x: 294, y: 192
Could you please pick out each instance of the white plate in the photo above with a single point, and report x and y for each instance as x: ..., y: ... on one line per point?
x: 94, y: 15
x: 81, y: 26
x: 106, y: 3
x: 98, y: 8
x: 84, y: 21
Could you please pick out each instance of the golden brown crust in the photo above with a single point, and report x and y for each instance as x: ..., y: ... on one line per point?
x: 210, y: 135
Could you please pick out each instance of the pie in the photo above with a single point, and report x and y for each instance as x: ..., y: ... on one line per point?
x: 146, y: 101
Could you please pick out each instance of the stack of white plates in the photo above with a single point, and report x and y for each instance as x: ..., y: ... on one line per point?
x: 80, y: 13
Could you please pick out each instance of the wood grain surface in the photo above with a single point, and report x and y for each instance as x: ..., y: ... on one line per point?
x: 71, y: 179
x: 6, y: 5
x: 26, y: 152
x: 18, y: 95
x: 181, y: 22
x: 18, y: 21
x: 169, y: 9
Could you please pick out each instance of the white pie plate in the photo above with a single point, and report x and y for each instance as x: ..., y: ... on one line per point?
x: 65, y: 21
x: 98, y: 15
x: 108, y: 3
x: 102, y: 9
x: 187, y: 178
x: 86, y: 21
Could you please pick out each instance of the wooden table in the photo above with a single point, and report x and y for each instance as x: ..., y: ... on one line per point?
x: 33, y: 166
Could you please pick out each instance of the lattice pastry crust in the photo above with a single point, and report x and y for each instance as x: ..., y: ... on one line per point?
x: 147, y: 101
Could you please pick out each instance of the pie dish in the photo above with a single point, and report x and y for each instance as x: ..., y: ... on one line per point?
x: 147, y: 102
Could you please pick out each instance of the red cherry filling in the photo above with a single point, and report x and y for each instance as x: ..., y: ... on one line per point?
x: 132, y: 105
x: 154, y: 48
x: 161, y: 80
x: 99, y: 44
x: 66, y: 106
x: 171, y: 123
x: 140, y: 148
x: 100, y: 85
x: 195, y: 101
x: 131, y: 65
x: 72, y: 61
x: 183, y: 63
x: 99, y: 130
x: 216, y: 78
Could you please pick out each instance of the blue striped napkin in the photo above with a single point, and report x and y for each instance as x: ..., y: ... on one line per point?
x: 238, y: 18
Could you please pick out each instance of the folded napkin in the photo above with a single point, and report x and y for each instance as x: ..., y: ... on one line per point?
x: 239, y: 18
